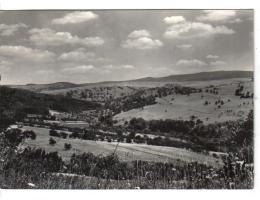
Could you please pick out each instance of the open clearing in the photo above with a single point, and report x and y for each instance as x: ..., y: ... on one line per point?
x: 125, y: 151
x: 183, y: 106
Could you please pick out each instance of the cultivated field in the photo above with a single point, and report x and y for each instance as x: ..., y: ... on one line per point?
x: 125, y: 151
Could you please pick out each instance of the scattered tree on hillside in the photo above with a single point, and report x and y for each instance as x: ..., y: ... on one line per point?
x: 52, y: 141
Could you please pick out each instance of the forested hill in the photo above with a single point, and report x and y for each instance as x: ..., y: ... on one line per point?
x: 15, y: 103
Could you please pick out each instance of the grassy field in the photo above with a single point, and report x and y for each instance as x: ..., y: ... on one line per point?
x: 125, y: 151
x: 183, y: 107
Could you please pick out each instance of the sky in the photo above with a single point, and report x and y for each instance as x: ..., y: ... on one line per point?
x: 83, y: 46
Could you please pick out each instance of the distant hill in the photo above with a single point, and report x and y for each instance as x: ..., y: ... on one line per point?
x: 45, y: 87
x: 202, y: 76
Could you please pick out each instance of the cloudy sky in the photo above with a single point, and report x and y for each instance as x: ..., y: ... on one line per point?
x: 93, y: 46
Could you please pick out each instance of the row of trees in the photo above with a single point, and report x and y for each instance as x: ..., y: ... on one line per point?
x: 223, y: 136
x: 240, y: 92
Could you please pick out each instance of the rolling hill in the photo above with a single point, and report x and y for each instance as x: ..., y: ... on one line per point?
x: 45, y: 87
x: 203, y: 76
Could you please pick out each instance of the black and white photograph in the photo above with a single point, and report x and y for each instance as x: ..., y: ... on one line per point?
x: 127, y: 99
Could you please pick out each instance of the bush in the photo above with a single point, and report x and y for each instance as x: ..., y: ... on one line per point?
x: 138, y: 123
x: 52, y: 141
x: 74, y: 135
x: 128, y: 140
x: 63, y: 135
x: 30, y: 134
x: 14, y: 136
x: 67, y: 146
x: 54, y: 133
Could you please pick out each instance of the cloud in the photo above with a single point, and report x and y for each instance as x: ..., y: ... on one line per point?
x: 22, y: 53
x: 80, y: 55
x: 187, y: 30
x: 118, y: 67
x: 45, y: 72
x: 216, y: 15
x: 75, y: 18
x: 219, y: 16
x: 78, y: 69
x: 10, y: 29
x: 184, y: 46
x: 139, y: 33
x: 46, y: 36
x: 141, y: 39
x: 217, y: 63
x: 236, y: 20
x: 191, y: 63
x: 174, y: 19
x: 212, y: 56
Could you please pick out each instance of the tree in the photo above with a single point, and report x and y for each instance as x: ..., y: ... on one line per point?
x: 67, y: 146
x: 14, y: 136
x: 249, y: 121
x: 198, y: 122
x: 33, y: 135
x: 138, y: 139
x: 54, y: 133
x: 192, y: 117
x: 63, y: 135
x: 128, y: 140
x: 52, y: 141
x: 30, y: 134
x: 74, y: 134
x: 138, y: 123
x: 247, y: 95
x: 237, y: 92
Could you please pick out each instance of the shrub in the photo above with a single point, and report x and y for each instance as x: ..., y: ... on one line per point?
x: 30, y: 134
x: 52, y: 141
x: 67, y: 146
x: 63, y: 135
x: 54, y: 133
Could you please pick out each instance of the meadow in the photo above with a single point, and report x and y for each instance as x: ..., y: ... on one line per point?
x: 125, y: 151
x: 182, y: 107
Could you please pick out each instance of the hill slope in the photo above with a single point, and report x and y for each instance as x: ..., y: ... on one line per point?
x: 16, y: 103
x: 202, y: 76
x: 45, y: 87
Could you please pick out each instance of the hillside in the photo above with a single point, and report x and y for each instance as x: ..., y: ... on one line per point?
x: 203, y: 105
x: 202, y: 76
x: 16, y: 103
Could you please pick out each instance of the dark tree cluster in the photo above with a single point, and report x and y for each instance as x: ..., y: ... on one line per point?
x: 214, y: 90
x: 16, y: 136
x: 60, y: 134
x: 52, y: 141
x: 15, y: 104
x: 243, y: 94
x: 67, y: 146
